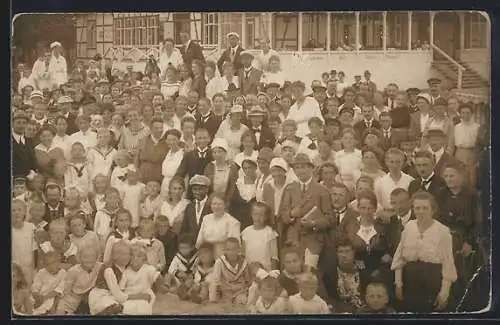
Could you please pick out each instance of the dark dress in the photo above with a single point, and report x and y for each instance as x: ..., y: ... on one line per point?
x: 170, y: 244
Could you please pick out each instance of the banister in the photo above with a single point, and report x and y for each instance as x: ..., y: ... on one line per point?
x: 461, y: 69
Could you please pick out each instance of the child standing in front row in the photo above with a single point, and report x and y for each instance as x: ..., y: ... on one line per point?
x: 260, y: 241
x: 23, y: 240
x: 230, y: 276
x: 168, y: 238
x: 293, y: 268
x: 155, y: 252
x: 132, y: 194
x: 80, y: 236
x: 307, y: 302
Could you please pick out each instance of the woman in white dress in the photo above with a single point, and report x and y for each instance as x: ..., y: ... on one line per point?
x: 341, y: 84
x: 228, y: 76
x: 172, y: 160
x: 169, y: 55
x: 61, y: 139
x: 275, y: 74
x: 214, y: 81
x: 231, y: 130
x: 173, y: 208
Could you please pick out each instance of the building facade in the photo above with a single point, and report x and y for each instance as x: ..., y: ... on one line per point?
x: 405, y: 46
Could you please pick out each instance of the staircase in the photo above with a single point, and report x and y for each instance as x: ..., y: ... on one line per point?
x: 470, y: 78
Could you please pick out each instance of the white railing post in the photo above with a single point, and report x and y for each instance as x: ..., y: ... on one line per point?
x: 244, y: 30
x: 219, y: 31
x: 270, y: 29
x: 410, y: 14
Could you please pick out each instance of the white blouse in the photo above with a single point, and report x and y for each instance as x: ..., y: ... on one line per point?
x: 174, y: 212
x: 217, y: 229
x: 301, y: 114
x: 171, y: 163
x: 434, y: 245
x: 465, y: 135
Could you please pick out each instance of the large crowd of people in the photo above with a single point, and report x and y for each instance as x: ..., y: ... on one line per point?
x: 225, y: 182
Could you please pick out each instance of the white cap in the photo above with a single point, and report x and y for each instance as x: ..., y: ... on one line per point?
x: 36, y: 93
x: 220, y: 143
x: 425, y: 96
x: 279, y: 162
x: 64, y: 99
x: 54, y: 44
x: 233, y: 34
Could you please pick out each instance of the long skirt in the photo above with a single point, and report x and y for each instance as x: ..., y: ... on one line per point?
x: 468, y: 157
x: 421, y: 286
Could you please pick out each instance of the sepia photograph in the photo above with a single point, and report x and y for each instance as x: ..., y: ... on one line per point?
x: 250, y: 163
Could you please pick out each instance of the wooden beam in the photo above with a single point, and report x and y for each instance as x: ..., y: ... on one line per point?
x: 410, y: 14
x: 299, y: 38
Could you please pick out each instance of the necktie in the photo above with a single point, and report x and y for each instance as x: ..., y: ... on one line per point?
x: 392, y: 103
x: 198, y: 207
x: 303, y: 188
x: 312, y: 146
x: 232, y: 53
x: 435, y: 158
x: 202, y: 154
x: 337, y: 218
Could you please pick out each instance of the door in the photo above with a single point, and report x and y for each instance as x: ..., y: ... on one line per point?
x: 446, y: 37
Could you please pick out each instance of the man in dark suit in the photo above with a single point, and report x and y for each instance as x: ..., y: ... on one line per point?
x: 64, y: 104
x: 437, y: 139
x: 391, y: 92
x: 427, y: 179
x: 367, y: 123
x: 190, y: 50
x: 54, y: 208
x: 205, y: 118
x: 387, y: 140
x: 198, y: 208
x: 248, y: 75
x: 195, y: 161
x: 264, y: 135
x: 23, y: 159
x: 231, y: 54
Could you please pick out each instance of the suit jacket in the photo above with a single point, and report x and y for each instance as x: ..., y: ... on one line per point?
x: 400, y: 117
x: 388, y: 143
x: 231, y: 180
x: 249, y: 85
x: 360, y: 127
x: 189, y: 224
x: 50, y: 216
x: 435, y: 187
x: 266, y: 138
x: 199, y: 85
x: 71, y: 121
x: 226, y: 56
x: 393, y: 232
x: 193, y: 52
x: 316, y: 195
x: 445, y: 158
x: 193, y: 164
x: 211, y: 123
x: 23, y: 157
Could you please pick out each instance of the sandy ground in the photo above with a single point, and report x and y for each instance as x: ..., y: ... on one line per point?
x: 169, y: 304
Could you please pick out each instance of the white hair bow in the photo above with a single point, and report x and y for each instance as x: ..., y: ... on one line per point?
x: 31, y: 175
x: 262, y: 274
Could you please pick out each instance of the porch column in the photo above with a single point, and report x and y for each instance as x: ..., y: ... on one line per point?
x: 384, y: 31
x: 244, y: 30
x: 357, y: 31
x: 219, y: 30
x: 410, y: 14
x: 431, y: 27
x: 328, y: 31
x: 488, y: 29
x: 299, y: 39
x: 461, y: 19
x: 270, y: 28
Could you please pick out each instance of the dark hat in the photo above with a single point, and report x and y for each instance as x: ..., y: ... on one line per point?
x: 298, y: 84
x: 433, y: 81
x: 266, y: 154
x: 302, y: 158
x: 435, y: 133
x: 273, y: 85
x: 413, y: 90
x: 347, y: 109
x: 333, y: 71
x: 286, y: 84
x: 440, y: 102
x: 367, y: 72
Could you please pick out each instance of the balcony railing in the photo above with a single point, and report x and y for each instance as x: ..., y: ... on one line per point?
x: 460, y: 68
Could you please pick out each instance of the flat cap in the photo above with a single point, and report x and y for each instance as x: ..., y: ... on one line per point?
x: 201, y: 180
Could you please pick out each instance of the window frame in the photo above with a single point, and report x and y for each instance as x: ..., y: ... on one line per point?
x: 136, y: 31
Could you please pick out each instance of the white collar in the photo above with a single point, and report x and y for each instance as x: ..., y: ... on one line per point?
x: 404, y: 219
x: 202, y: 202
x: 18, y: 137
x: 41, y: 147
x: 235, y: 48
x: 437, y: 153
x: 154, y: 139
x: 306, y: 183
x: 54, y: 209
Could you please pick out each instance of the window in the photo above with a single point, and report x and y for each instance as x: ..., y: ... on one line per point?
x: 182, y: 23
x: 137, y: 31
x: 371, y: 30
x: 475, y: 31
x: 210, y: 29
x: 314, y: 31
x: 343, y: 31
x: 257, y: 28
x: 397, y: 30
x: 286, y: 32
x: 91, y: 34
x: 230, y: 22
x: 420, y: 30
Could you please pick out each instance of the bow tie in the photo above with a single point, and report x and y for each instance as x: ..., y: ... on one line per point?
x: 262, y: 274
x: 312, y: 146
x: 122, y: 178
x: 202, y: 154
x: 256, y: 130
